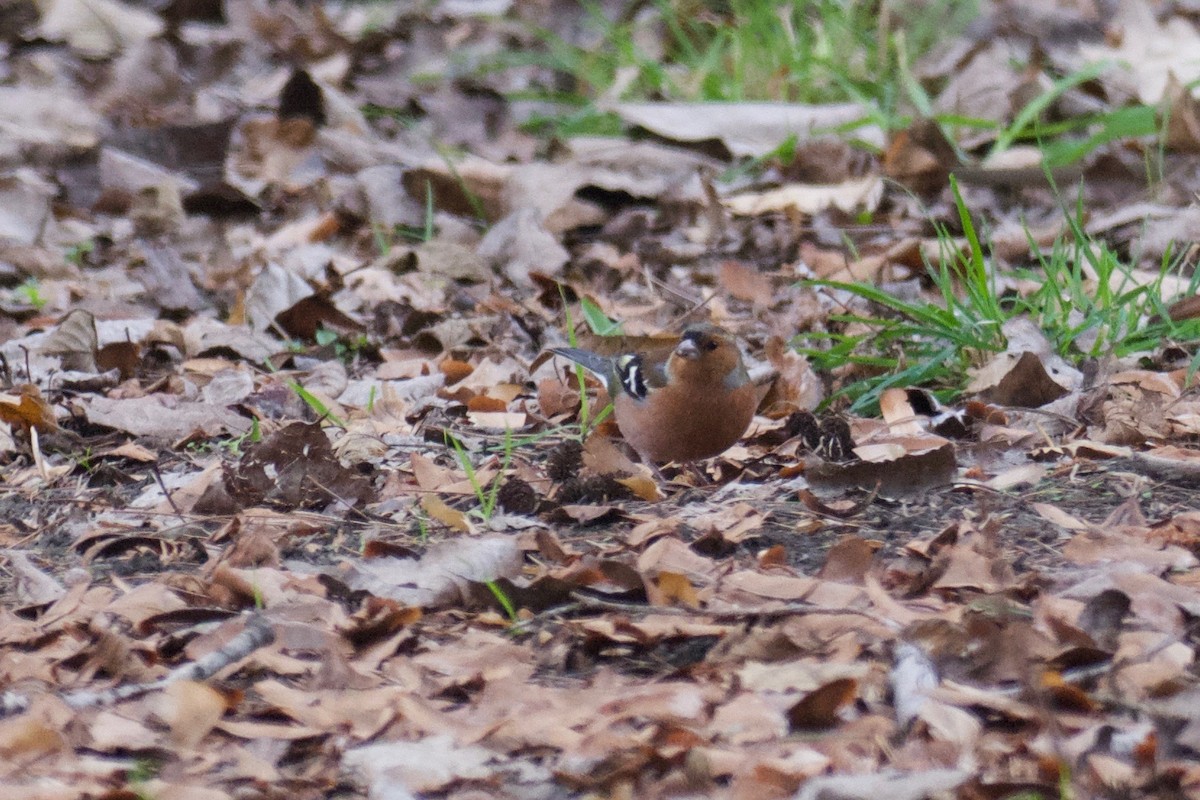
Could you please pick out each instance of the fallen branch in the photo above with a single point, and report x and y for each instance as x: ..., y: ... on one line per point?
x: 257, y: 633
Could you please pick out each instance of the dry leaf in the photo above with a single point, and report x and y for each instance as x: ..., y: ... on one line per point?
x: 191, y: 710
x: 852, y: 196
x: 747, y: 129
x: 676, y: 588
x: 438, y: 510
x: 27, y: 410
x: 819, y: 708
x: 745, y: 282
x: 643, y: 487
x: 74, y: 340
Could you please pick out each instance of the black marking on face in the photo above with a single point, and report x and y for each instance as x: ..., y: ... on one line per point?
x: 632, y: 376
x: 704, y: 341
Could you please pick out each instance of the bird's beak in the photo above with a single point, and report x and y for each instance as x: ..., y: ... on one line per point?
x: 687, y: 349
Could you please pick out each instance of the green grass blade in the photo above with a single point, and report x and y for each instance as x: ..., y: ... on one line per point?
x: 596, y: 319
x: 313, y: 402
x: 1028, y: 115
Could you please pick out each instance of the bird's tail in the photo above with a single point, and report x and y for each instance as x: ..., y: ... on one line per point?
x: 598, y: 365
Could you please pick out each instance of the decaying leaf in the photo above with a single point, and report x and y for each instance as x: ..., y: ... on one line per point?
x: 745, y: 128
x: 819, y: 708
x: 74, y: 341
x: 165, y: 418
x: 442, y: 573
x: 852, y: 196
x: 440, y: 512
x: 894, y: 469
x: 27, y: 410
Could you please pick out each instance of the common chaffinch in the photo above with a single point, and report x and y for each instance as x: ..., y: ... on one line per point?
x: 694, y: 404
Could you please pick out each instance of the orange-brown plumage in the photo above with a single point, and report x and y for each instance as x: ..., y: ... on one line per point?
x: 696, y: 404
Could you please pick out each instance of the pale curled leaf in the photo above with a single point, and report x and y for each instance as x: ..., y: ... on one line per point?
x: 442, y: 574
x: 747, y: 129
x: 852, y: 196
x: 34, y: 587
x: 396, y: 770
x: 892, y: 784
x: 164, y: 417
x: 97, y: 28
x: 913, y: 675
x: 75, y: 341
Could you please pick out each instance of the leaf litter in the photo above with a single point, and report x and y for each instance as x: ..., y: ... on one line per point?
x: 292, y: 504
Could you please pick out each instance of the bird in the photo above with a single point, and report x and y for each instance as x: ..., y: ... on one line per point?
x: 694, y: 404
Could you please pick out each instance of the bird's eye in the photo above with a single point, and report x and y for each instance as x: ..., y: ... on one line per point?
x: 710, y: 345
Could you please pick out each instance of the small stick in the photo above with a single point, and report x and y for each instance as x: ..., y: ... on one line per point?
x: 166, y: 493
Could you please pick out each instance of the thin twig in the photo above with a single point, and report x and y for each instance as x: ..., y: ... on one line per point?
x: 166, y: 493
x: 549, y: 614
x: 786, y: 610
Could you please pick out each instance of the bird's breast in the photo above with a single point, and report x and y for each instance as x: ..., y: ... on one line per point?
x: 684, y: 423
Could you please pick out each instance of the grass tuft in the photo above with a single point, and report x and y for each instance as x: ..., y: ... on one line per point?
x: 802, y: 51
x: 1088, y: 302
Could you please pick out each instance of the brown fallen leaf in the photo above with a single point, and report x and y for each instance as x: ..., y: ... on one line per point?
x: 191, y: 710
x: 676, y: 588
x: 819, y: 708
x: 795, y: 385
x: 905, y: 474
x: 849, y: 560
x: 436, y: 508
x: 745, y: 282
x: 309, y: 315
x: 164, y: 417
x: 454, y: 370
x: 29, y: 737
x: 643, y: 487
x: 602, y: 456
x: 920, y: 157
x: 75, y: 341
x: 121, y: 356
x: 28, y: 409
